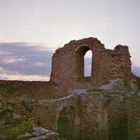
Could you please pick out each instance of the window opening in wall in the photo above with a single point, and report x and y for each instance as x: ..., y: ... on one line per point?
x: 88, y: 64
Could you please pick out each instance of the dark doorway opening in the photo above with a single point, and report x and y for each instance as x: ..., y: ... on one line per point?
x: 63, y: 124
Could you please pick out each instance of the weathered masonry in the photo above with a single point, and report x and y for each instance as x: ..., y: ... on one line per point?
x: 67, y: 104
x: 68, y: 63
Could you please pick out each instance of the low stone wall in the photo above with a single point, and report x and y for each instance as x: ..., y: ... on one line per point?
x: 90, y: 115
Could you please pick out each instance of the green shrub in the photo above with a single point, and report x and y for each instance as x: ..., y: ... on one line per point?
x: 127, y: 84
x: 11, y: 127
x: 10, y: 132
x: 94, y: 89
x: 63, y: 128
x: 7, y: 115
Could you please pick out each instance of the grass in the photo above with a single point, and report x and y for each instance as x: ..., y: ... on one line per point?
x: 127, y: 84
x: 11, y: 127
x: 94, y: 89
x: 10, y: 132
x: 63, y: 128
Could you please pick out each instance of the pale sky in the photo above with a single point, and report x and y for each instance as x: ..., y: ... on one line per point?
x: 56, y: 22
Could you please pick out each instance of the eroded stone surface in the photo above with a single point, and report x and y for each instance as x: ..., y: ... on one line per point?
x: 68, y: 64
x: 105, y: 115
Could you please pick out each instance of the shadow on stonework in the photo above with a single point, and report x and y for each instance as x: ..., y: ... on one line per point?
x: 62, y: 124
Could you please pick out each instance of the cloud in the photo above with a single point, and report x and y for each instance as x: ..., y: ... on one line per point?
x: 105, y: 22
x: 136, y: 70
x: 39, y: 64
x: 14, y: 75
x: 21, y: 61
x: 31, y: 62
x: 13, y: 60
x: 5, y: 38
x: 23, y: 77
x: 4, y: 71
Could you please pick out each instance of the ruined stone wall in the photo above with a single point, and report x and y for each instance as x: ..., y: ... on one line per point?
x: 37, y: 90
x: 105, y: 116
x: 96, y: 115
x: 68, y: 63
x: 117, y: 117
x: 91, y: 115
x: 133, y: 114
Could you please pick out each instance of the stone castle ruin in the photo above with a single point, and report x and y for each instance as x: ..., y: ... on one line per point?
x: 68, y: 63
x: 104, y: 106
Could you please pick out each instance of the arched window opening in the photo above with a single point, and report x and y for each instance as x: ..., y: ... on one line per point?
x: 88, y: 64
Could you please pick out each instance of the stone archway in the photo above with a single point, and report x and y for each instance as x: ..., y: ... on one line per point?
x: 68, y: 124
x: 63, y: 124
x: 80, y: 53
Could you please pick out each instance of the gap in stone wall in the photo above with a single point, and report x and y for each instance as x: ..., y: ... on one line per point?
x: 88, y: 64
x: 63, y: 124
